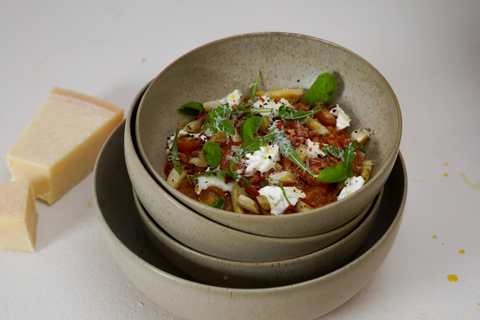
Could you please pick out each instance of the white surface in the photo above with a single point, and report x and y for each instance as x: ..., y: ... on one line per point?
x: 429, y: 51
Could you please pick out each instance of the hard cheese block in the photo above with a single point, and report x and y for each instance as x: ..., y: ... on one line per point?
x: 18, y: 216
x: 59, y: 146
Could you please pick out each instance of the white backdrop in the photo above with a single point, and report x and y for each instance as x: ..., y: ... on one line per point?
x: 429, y: 51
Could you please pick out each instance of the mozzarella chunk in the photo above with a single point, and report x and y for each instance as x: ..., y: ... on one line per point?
x: 277, y: 200
x: 351, y: 185
x: 262, y: 160
x: 267, y: 102
x: 343, y: 120
x: 314, y: 150
x: 203, y: 182
x: 232, y: 98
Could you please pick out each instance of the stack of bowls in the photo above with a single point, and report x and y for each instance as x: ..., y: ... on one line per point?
x: 231, y: 250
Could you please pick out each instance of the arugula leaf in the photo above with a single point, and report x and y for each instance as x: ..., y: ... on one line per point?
x: 224, y: 174
x: 343, y: 170
x: 253, y: 93
x: 290, y: 114
x: 213, y: 153
x: 250, y: 127
x: 192, y: 109
x: 286, y: 148
x: 264, y: 182
x: 210, y: 173
x: 218, y: 203
x: 322, y: 90
x: 175, y: 155
x: 283, y: 191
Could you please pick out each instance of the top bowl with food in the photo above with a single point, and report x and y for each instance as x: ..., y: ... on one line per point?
x: 276, y: 134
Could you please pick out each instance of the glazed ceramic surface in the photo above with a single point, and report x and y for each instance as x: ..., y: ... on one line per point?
x: 235, y: 274
x: 165, y: 284
x: 286, y: 61
x: 208, y: 236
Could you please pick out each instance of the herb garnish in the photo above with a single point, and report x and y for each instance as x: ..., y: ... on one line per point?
x: 216, y: 121
x: 250, y: 127
x: 253, y: 93
x: 290, y: 114
x: 322, y: 90
x: 343, y: 170
x: 219, y: 203
x: 192, y: 109
x: 213, y: 153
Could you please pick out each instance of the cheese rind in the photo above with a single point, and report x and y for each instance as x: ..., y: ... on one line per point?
x: 18, y: 216
x: 59, y: 146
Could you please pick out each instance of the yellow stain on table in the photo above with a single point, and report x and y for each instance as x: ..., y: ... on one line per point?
x: 475, y: 185
x: 445, y: 174
x: 434, y: 237
x: 461, y: 251
x: 452, y: 278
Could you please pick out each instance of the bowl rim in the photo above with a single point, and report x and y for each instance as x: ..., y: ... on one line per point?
x: 389, y: 161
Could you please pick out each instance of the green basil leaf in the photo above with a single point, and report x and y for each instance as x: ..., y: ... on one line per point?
x: 210, y: 173
x: 334, y: 174
x: 290, y: 114
x: 226, y: 127
x: 322, y: 90
x: 343, y: 170
x: 219, y: 203
x: 192, y: 109
x: 250, y: 127
x: 213, y: 153
x: 175, y: 155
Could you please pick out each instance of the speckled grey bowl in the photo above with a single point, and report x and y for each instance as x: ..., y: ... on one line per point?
x: 241, y: 274
x: 210, y: 237
x: 286, y: 60
x: 163, y: 283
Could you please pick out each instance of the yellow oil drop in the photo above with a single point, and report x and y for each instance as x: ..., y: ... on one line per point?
x: 434, y: 237
x: 445, y: 174
x: 461, y: 251
x: 445, y: 164
x: 452, y: 278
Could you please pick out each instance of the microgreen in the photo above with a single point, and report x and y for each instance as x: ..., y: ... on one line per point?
x: 322, y: 90
x: 213, y: 153
x: 175, y: 155
x: 192, y: 109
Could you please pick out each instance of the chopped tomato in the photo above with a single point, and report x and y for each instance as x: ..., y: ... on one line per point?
x: 187, y: 144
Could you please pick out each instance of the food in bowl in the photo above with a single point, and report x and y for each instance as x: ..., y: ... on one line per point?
x: 268, y: 153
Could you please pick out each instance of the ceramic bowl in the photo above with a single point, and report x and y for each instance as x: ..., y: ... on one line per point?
x: 207, y: 236
x: 286, y: 60
x: 160, y: 281
x: 240, y: 274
